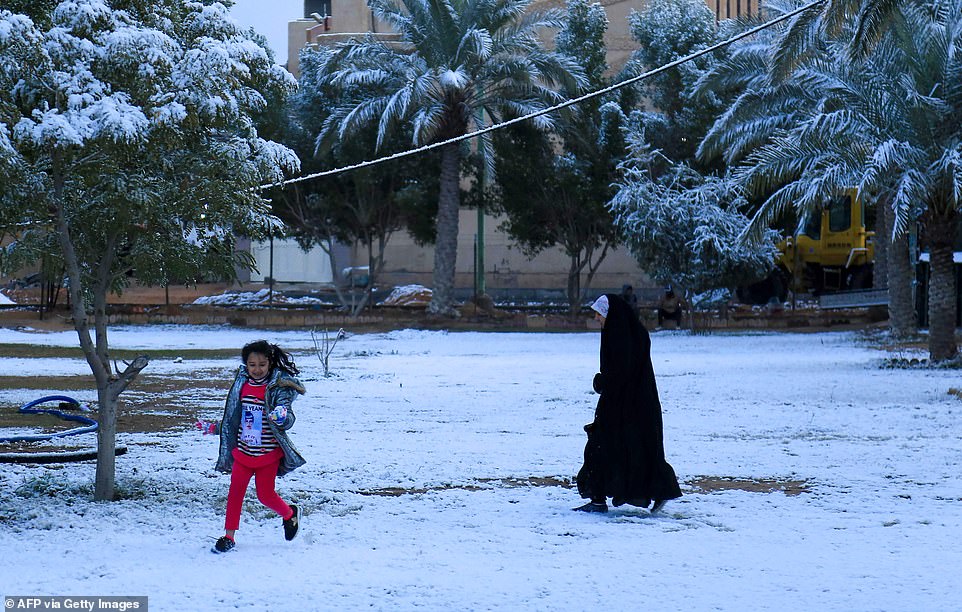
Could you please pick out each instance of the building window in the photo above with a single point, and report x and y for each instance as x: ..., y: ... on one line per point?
x: 321, y: 7
x: 731, y: 9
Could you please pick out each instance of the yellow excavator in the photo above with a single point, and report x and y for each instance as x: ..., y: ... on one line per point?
x: 830, y: 251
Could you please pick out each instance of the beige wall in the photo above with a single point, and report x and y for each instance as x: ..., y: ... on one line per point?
x: 349, y: 18
x: 505, y: 266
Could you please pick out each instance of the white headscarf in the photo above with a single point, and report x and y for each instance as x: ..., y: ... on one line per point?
x: 601, y: 306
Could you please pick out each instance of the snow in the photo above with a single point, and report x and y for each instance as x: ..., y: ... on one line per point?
x: 51, y: 126
x: 250, y: 299
x: 170, y: 114
x: 408, y: 295
x: 118, y: 120
x: 84, y: 94
x: 956, y: 257
x: 85, y: 15
x: 280, y: 157
x: 5, y: 300
x: 14, y: 26
x: 464, y: 422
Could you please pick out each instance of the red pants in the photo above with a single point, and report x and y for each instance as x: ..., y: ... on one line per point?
x: 264, y: 471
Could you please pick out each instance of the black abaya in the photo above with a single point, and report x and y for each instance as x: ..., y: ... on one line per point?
x: 625, y: 453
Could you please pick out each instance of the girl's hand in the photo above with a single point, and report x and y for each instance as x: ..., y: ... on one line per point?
x: 279, y: 415
x: 208, y: 427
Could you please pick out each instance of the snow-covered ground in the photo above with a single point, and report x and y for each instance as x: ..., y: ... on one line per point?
x: 477, y: 432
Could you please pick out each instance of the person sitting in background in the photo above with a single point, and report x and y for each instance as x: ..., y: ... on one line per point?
x: 628, y: 295
x: 670, y: 307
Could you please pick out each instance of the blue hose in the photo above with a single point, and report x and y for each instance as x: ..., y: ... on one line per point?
x: 28, y: 408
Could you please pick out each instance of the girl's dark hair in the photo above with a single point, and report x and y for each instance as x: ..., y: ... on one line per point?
x: 276, y: 356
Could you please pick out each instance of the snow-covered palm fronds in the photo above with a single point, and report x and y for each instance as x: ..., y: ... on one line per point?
x: 836, y: 121
x: 881, y: 111
x: 459, y: 56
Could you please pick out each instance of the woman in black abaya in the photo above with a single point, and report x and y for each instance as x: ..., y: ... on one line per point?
x: 625, y: 453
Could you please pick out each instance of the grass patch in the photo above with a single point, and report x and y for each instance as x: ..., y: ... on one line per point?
x: 35, y: 350
x: 54, y: 486
x: 81, y: 382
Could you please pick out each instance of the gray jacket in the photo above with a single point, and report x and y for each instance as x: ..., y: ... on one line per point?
x: 282, y: 389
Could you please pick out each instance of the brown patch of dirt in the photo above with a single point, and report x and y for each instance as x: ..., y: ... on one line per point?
x: 712, y: 484
x: 155, y: 404
x: 151, y: 404
x: 64, y: 383
x: 205, y: 378
x: 482, y: 484
x: 702, y: 484
x: 75, y: 352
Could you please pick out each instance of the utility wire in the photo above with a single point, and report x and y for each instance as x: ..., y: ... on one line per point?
x: 545, y: 111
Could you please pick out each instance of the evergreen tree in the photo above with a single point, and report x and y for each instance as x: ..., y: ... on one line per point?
x: 365, y: 206
x: 681, y: 221
x: 130, y: 129
x: 674, y: 118
x: 685, y: 229
x: 554, y: 187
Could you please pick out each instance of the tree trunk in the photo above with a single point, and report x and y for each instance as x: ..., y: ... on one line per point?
x: 902, y: 320
x: 106, y: 445
x: 109, y: 387
x: 574, y: 285
x: 592, y: 267
x: 328, y: 245
x: 883, y: 240
x: 108, y: 398
x: 940, y: 234
x: 446, y: 242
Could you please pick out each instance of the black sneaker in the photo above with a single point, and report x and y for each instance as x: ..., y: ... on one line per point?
x: 224, y: 544
x: 592, y: 507
x: 658, y: 505
x: 291, y: 525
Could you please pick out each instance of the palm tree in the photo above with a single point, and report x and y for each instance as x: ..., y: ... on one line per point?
x: 889, y: 121
x: 865, y: 20
x: 456, y: 59
x: 871, y: 19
